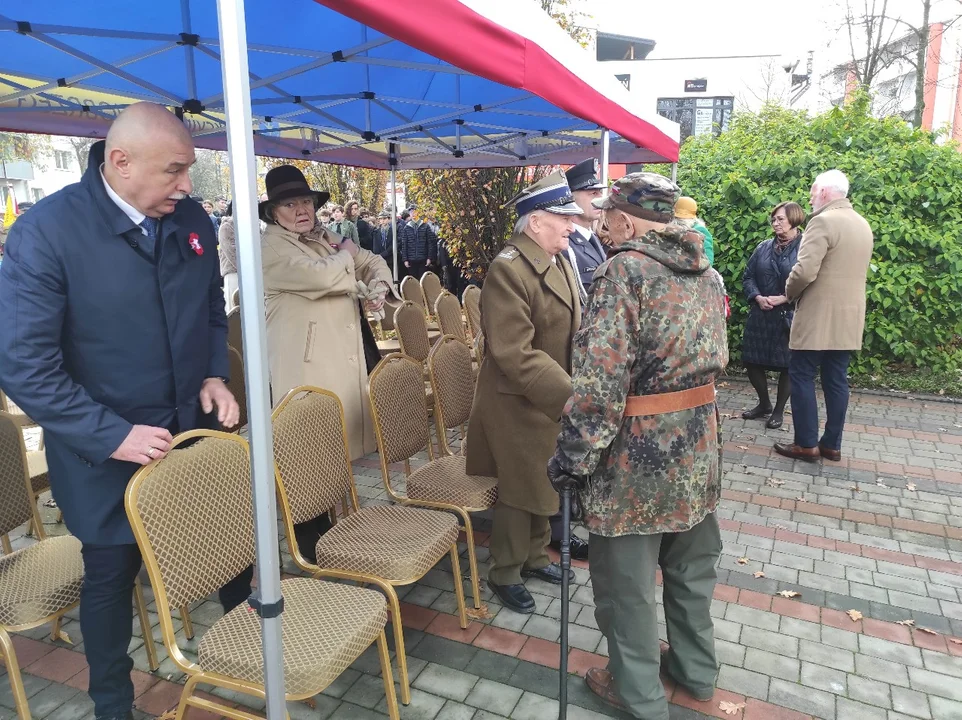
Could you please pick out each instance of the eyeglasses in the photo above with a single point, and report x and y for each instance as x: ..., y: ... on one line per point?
x: 777, y: 221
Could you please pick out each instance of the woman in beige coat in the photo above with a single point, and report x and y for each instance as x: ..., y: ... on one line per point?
x: 314, y: 318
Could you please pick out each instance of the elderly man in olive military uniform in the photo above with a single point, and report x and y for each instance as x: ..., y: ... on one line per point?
x: 640, y: 441
x: 530, y: 310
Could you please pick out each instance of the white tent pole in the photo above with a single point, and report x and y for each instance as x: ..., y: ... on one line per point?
x: 234, y: 66
x: 392, y: 158
x: 605, y: 146
x: 674, y: 172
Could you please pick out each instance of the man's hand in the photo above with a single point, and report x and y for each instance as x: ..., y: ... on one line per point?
x: 763, y: 302
x: 777, y: 300
x: 428, y: 264
x: 407, y: 264
x: 560, y: 479
x: 143, y: 445
x: 215, y: 393
x: 348, y: 246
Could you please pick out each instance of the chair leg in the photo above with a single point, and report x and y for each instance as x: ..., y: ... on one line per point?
x: 188, y: 625
x: 458, y: 585
x: 182, y: 706
x: 392, y: 709
x: 13, y: 671
x: 5, y: 544
x: 145, y: 627
x: 399, y: 650
x: 472, y: 559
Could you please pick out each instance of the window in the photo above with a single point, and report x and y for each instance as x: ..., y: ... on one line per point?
x: 62, y: 158
x: 698, y: 116
x: 38, y: 194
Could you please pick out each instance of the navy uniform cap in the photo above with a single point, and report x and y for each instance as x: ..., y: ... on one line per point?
x: 584, y: 176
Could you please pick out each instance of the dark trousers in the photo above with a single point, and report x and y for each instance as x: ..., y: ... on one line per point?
x: 416, y: 270
x: 518, y: 540
x: 106, y: 621
x: 557, y: 527
x: 803, y: 367
x: 306, y: 535
x: 623, y: 580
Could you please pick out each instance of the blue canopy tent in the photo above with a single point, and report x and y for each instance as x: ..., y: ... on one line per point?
x: 400, y: 84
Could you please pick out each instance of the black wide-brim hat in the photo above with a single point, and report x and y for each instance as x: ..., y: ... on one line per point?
x: 284, y: 182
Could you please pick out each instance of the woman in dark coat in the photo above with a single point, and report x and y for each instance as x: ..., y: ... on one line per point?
x: 765, y: 343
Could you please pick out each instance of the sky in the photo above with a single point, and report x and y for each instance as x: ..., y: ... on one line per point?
x: 685, y: 28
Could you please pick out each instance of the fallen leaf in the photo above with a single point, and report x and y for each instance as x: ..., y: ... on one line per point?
x: 169, y: 715
x: 910, y: 486
x: 730, y: 708
x: 775, y: 482
x: 943, y: 429
x: 942, y: 392
x: 59, y: 634
x: 758, y: 574
x: 310, y: 702
x: 927, y: 631
x: 855, y: 488
x: 855, y: 615
x: 907, y: 623
x: 742, y: 447
x: 724, y: 384
x: 955, y: 641
x: 483, y: 614
x: 801, y: 499
x: 743, y: 561
x: 881, y: 484
x: 789, y: 593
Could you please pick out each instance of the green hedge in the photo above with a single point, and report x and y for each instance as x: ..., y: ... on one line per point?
x: 907, y: 186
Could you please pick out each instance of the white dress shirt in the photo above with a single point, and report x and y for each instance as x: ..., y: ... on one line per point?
x: 129, y: 210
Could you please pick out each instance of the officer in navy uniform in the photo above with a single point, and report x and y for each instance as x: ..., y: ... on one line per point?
x: 586, y: 253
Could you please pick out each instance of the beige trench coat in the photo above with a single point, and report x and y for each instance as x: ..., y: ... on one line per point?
x: 313, y: 331
x: 530, y: 311
x: 828, y: 281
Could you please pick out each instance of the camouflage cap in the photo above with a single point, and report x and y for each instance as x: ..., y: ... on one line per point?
x: 645, y: 195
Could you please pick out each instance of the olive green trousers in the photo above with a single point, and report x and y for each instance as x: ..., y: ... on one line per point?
x: 518, y: 539
x: 623, y: 579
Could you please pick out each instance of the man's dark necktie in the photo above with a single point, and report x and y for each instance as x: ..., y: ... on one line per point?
x: 151, y: 226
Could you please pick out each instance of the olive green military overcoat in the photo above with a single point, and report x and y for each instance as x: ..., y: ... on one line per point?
x: 530, y: 311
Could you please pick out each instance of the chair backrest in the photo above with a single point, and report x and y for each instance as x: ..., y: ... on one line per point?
x: 479, y: 347
x: 399, y: 408
x: 391, y: 304
x: 412, y: 331
x: 235, y: 299
x: 192, y: 516
x: 471, y: 299
x: 412, y: 292
x: 431, y: 287
x: 311, y: 452
x: 447, y: 309
x: 237, y: 384
x: 452, y: 380
x: 17, y: 506
x: 234, y: 336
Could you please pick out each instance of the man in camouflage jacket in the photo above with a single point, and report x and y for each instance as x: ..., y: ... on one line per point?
x: 640, y: 441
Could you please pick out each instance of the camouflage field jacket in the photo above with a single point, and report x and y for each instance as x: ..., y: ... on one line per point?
x: 654, y: 324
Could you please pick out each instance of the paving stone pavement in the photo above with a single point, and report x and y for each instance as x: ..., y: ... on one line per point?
x: 879, y: 533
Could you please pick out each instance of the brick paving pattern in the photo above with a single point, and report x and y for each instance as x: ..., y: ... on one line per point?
x: 879, y: 534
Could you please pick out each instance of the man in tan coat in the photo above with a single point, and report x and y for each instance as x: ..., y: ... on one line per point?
x: 828, y: 287
x: 530, y: 310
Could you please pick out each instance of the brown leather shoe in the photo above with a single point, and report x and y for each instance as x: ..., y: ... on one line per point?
x: 797, y: 452
x: 601, y: 683
x: 829, y: 454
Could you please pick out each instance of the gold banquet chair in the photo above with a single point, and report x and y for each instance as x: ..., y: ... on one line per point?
x: 412, y: 292
x: 237, y: 385
x: 432, y: 289
x: 402, y: 430
x: 412, y: 331
x: 471, y: 300
x: 235, y: 338
x: 40, y: 582
x: 479, y: 348
x: 452, y: 382
x: 385, y: 545
x: 192, y: 516
x: 447, y: 309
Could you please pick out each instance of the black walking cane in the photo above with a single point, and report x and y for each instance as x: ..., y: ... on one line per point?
x: 565, y: 569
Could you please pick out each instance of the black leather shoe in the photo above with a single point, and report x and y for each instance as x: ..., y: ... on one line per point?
x: 549, y: 573
x: 774, y: 422
x: 756, y: 412
x: 578, y: 548
x: 514, y: 597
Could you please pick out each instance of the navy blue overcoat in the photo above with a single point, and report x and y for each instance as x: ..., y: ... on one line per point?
x: 97, y: 335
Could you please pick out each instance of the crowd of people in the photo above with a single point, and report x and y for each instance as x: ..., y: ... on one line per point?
x: 605, y: 332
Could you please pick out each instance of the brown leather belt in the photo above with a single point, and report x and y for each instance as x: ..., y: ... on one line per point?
x: 669, y: 402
